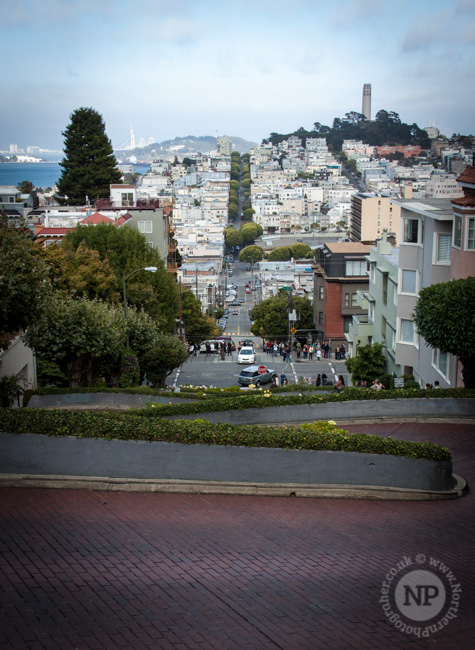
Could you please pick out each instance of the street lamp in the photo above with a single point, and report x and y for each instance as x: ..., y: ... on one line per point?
x: 152, y: 269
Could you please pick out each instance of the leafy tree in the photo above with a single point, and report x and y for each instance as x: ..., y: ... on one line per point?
x: 23, y: 281
x: 198, y: 326
x: 232, y: 210
x: 248, y: 214
x: 251, y: 254
x: 232, y: 237
x: 234, y: 185
x: 246, y: 183
x: 167, y: 354
x: 271, y: 317
x: 74, y: 333
x: 89, y: 165
x: 25, y: 187
x: 126, y: 250
x: 300, y: 250
x: 249, y: 231
x: 368, y: 364
x: 444, y: 316
x: 280, y: 254
x: 81, y: 272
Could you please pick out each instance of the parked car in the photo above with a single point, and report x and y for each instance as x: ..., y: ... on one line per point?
x: 246, y: 355
x: 235, y: 312
x: 250, y: 375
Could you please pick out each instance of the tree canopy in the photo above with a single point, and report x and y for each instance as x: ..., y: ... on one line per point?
x: 280, y: 254
x: 368, y: 364
x: 251, y: 254
x: 23, y: 281
x: 250, y: 231
x: 271, y: 317
x: 89, y: 165
x: 126, y: 250
x: 386, y: 128
x: 300, y: 250
x: 232, y: 237
x: 444, y: 316
x: 25, y: 187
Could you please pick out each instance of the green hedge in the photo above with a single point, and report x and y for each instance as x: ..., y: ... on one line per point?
x: 126, y: 426
x: 266, y: 398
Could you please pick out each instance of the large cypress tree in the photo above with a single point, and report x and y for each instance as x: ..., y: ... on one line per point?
x: 89, y: 165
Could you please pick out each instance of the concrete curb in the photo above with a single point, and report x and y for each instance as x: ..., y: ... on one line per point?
x: 234, y: 488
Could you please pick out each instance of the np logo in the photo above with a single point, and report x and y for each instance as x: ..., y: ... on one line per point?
x: 420, y: 598
x: 420, y: 595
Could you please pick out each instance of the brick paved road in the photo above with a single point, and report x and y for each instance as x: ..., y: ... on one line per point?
x: 99, y: 570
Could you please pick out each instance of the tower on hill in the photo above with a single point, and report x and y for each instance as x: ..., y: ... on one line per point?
x: 366, y: 107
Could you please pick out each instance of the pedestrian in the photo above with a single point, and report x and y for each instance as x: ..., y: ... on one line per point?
x: 195, y: 349
x: 319, y: 354
x: 340, y: 384
x: 310, y: 352
x: 222, y: 351
x: 436, y: 384
x: 283, y: 379
x: 275, y: 349
x: 343, y: 351
x: 208, y: 349
x: 324, y: 379
x: 337, y: 353
x: 377, y: 385
x: 318, y: 380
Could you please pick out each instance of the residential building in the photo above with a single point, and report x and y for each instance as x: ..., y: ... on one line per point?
x: 371, y: 215
x: 224, y: 145
x: 339, y: 273
x: 463, y: 236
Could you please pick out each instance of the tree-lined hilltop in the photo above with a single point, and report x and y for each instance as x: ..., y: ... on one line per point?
x: 385, y: 129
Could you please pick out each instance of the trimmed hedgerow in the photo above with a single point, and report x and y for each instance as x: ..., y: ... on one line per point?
x: 125, y: 426
x: 262, y: 399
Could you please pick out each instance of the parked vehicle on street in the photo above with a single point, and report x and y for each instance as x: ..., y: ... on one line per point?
x: 251, y: 375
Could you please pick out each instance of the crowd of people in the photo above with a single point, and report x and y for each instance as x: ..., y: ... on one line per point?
x: 318, y: 350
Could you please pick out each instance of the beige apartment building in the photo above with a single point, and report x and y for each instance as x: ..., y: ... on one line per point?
x: 371, y: 215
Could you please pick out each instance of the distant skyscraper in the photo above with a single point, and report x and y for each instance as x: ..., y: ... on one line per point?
x: 366, y: 108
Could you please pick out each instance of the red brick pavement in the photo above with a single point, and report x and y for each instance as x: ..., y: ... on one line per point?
x: 92, y: 570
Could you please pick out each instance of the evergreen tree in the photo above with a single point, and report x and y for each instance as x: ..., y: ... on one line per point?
x: 89, y: 165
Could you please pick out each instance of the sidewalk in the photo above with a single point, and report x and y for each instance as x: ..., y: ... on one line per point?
x: 91, y: 570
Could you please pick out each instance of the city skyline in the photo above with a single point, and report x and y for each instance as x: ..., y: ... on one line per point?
x: 241, y: 69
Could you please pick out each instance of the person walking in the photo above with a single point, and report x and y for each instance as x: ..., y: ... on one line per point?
x: 222, y: 351
x: 319, y: 354
x: 318, y: 381
x: 324, y: 379
x: 208, y: 349
x: 340, y: 384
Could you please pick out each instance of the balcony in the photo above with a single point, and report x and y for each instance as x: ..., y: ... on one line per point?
x: 361, y: 328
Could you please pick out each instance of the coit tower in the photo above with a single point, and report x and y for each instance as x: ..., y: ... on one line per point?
x: 366, y: 107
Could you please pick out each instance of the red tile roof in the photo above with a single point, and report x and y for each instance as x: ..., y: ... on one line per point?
x: 467, y: 176
x: 466, y: 201
x: 97, y: 217
x: 54, y: 231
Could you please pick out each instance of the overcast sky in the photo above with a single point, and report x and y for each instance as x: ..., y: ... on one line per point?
x: 233, y: 67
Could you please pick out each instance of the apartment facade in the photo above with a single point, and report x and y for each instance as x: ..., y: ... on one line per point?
x: 340, y: 272
x: 371, y: 215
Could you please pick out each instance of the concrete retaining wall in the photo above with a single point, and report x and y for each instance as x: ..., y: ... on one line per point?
x: 370, y: 409
x: 28, y: 454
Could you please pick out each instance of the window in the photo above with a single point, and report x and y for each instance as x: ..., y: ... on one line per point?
x: 409, y: 281
x: 356, y: 267
x: 347, y: 299
x: 391, y: 339
x: 373, y: 272
x: 383, y: 328
x: 354, y: 300
x: 440, y: 361
x: 347, y: 320
x: 127, y: 198
x: 407, y: 331
x: 444, y: 249
x: 320, y: 293
x: 371, y: 311
x: 471, y: 234
x: 385, y: 289
x: 458, y: 231
x: 411, y: 231
x: 320, y: 318
x: 145, y: 227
